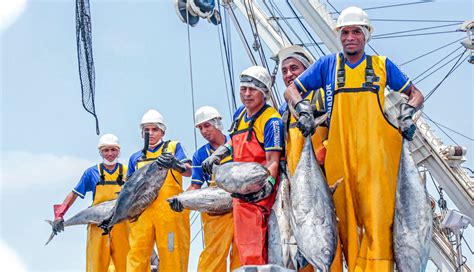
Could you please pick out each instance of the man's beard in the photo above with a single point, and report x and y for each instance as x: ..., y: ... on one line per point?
x: 353, y: 53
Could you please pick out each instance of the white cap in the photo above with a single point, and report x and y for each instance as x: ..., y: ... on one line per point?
x: 153, y: 117
x: 354, y: 16
x: 296, y: 52
x: 108, y: 140
x: 261, y: 79
x: 206, y: 113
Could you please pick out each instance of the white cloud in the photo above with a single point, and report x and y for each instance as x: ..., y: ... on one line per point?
x: 10, y: 260
x: 21, y: 169
x: 10, y: 10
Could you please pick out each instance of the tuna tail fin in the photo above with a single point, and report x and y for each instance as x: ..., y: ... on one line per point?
x: 335, y: 185
x: 52, y: 233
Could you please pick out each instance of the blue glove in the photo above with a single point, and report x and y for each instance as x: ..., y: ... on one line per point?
x: 406, y: 125
x: 265, y: 192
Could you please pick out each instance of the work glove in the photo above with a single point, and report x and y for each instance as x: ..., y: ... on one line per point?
x: 215, y: 159
x: 406, y: 125
x: 306, y: 119
x: 167, y: 160
x: 176, y: 205
x: 58, y: 223
x: 265, y: 192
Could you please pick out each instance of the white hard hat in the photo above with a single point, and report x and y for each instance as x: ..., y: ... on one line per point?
x: 108, y: 140
x: 297, y: 52
x: 257, y: 77
x: 204, y: 114
x: 153, y: 117
x: 353, y: 16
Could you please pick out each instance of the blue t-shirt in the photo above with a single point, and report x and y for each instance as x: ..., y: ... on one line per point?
x: 89, y: 180
x: 180, y: 154
x: 322, y: 74
x: 199, y: 156
x: 272, y: 131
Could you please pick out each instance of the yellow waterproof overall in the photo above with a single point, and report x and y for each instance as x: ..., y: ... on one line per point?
x: 364, y: 150
x: 102, y: 248
x: 294, y: 146
x: 170, y: 229
x: 218, y: 238
x: 294, y: 138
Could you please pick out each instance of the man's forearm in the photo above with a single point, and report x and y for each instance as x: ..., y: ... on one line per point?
x: 415, y: 97
x: 292, y: 95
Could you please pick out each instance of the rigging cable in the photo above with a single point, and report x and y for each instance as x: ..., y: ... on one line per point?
x: 308, y: 34
x: 191, y: 79
x: 432, y: 51
x: 398, y: 5
x: 414, y: 30
x: 441, y: 129
x: 277, y: 21
x: 291, y: 28
x: 412, y: 35
x: 416, y: 21
x: 452, y: 130
x: 455, y: 66
x: 253, y: 27
x: 438, y: 62
x: 232, y: 104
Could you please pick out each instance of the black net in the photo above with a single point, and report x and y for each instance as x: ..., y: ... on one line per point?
x: 85, y: 59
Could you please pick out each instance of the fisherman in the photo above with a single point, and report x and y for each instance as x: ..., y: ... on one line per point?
x: 218, y: 229
x: 363, y: 147
x: 256, y: 136
x: 158, y: 223
x: 294, y: 60
x: 104, y: 181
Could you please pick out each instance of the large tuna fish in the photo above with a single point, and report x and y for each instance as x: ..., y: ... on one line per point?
x: 282, y: 247
x: 313, y: 219
x: 213, y: 200
x: 92, y: 215
x: 140, y: 190
x: 241, y: 177
x: 413, y: 219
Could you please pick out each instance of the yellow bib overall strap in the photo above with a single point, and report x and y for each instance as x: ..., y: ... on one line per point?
x: 235, y: 125
x: 295, y: 140
x: 102, y: 180
x: 364, y: 150
x: 109, y: 184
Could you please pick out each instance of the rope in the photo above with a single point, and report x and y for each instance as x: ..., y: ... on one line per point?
x: 196, y: 235
x: 280, y: 28
x: 432, y: 51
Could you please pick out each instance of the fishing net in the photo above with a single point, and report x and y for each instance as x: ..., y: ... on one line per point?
x: 85, y: 59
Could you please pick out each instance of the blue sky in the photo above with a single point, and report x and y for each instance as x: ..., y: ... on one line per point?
x: 141, y: 60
